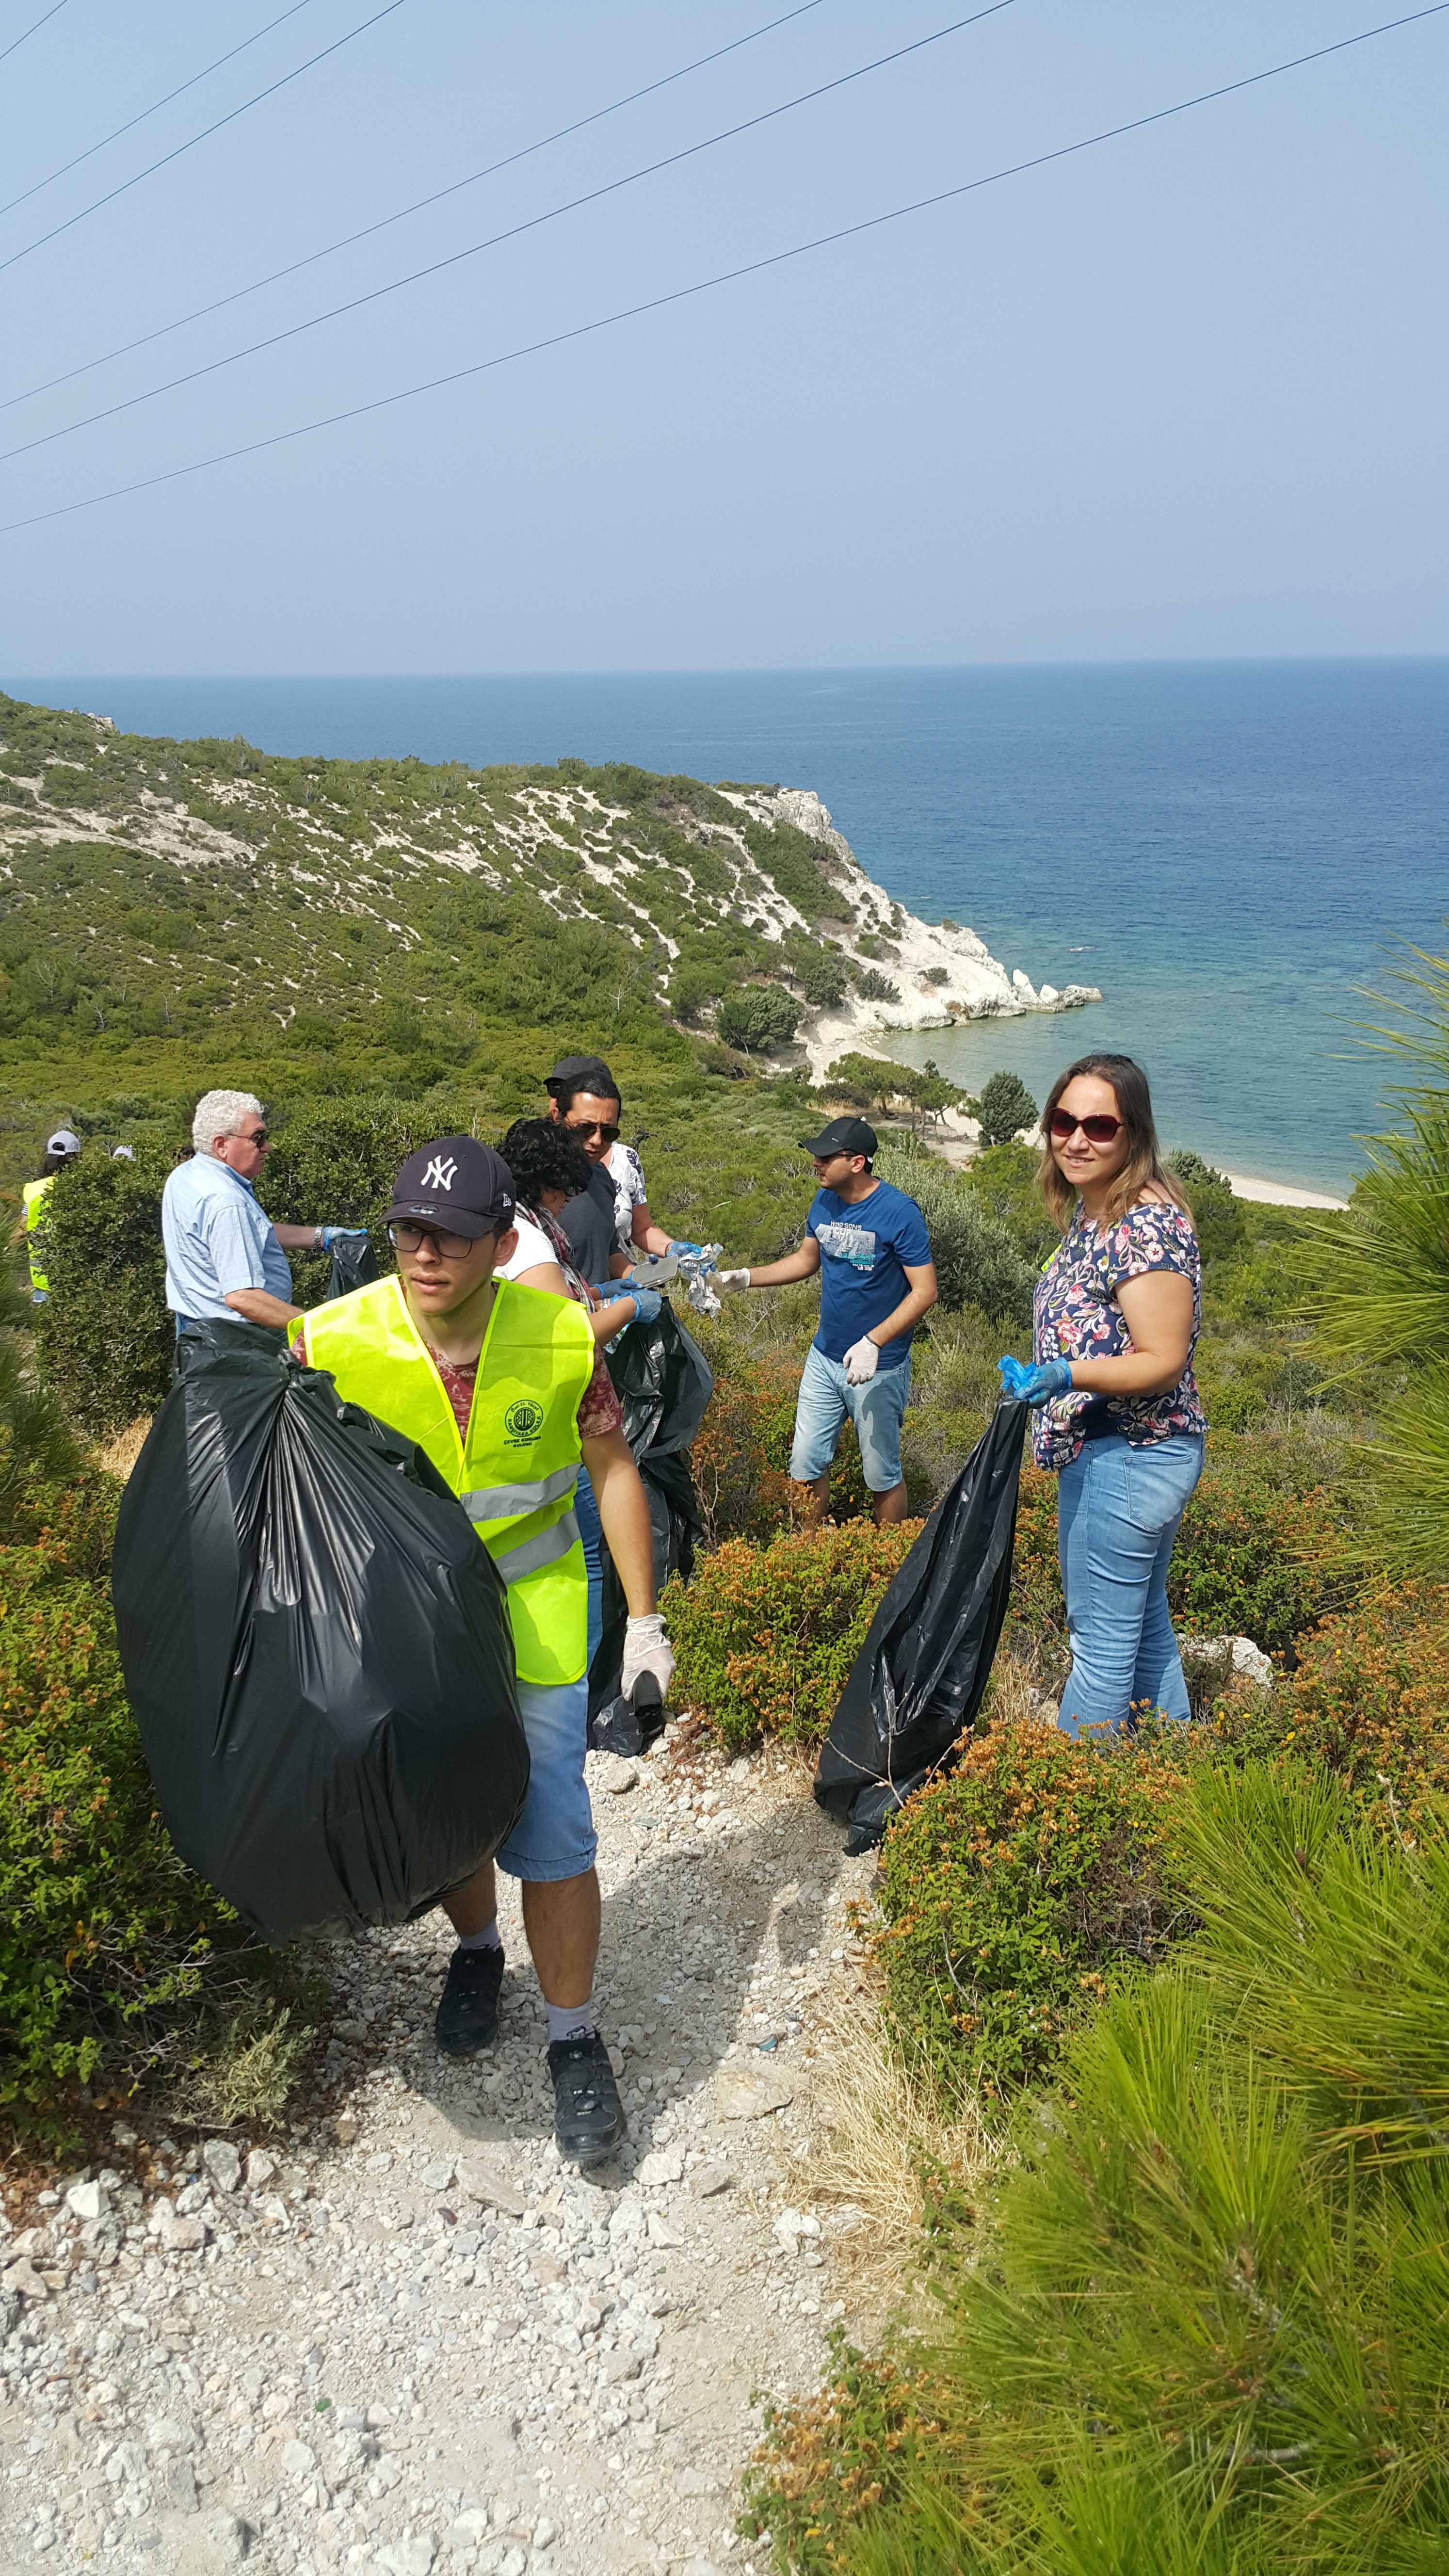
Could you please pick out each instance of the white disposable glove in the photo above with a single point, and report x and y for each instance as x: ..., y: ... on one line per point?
x: 861, y: 1362
x: 731, y: 1278
x: 647, y: 1650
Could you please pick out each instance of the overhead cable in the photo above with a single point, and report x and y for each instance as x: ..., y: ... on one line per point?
x: 207, y: 130
x: 153, y: 110
x: 531, y: 223
x: 725, y: 277
x: 419, y: 205
x: 14, y: 46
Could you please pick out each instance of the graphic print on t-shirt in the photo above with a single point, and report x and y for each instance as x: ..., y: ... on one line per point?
x: 853, y: 1243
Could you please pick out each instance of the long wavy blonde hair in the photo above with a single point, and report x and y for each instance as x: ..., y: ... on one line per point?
x: 1144, y: 1164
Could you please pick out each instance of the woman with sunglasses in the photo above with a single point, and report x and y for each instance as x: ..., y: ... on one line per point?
x: 1117, y: 1412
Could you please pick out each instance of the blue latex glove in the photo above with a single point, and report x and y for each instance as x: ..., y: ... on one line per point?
x: 686, y: 1251
x: 605, y: 1289
x: 342, y: 1234
x: 647, y: 1302
x: 1035, y: 1385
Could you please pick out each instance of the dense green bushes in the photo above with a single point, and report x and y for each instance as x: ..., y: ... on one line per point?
x: 1015, y: 1888
x: 1201, y: 2332
x: 104, y: 1338
x: 977, y: 1261
x: 103, y: 1934
x: 764, y: 1636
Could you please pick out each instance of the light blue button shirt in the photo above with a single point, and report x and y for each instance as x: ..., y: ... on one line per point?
x: 217, y: 1240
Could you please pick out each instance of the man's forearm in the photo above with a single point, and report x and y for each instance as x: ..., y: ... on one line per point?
x: 781, y: 1274
x: 259, y: 1306
x: 907, y: 1314
x: 299, y: 1238
x: 624, y: 1518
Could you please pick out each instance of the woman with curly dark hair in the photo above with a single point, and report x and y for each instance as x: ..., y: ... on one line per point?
x: 1117, y: 1413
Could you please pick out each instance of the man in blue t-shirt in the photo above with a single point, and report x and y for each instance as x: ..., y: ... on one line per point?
x: 870, y: 1246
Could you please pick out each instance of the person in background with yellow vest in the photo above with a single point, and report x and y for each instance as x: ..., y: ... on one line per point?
x: 61, y: 1148
x: 505, y: 1389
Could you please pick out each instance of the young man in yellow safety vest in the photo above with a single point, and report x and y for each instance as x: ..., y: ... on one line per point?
x: 505, y: 1388
x: 61, y: 1148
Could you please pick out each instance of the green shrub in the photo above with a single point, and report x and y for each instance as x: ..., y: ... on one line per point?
x: 1217, y: 1216
x: 104, y: 1339
x: 873, y: 986
x: 977, y: 1262
x: 1004, y: 1108
x: 104, y: 1934
x: 765, y: 1636
x: 1003, y: 1178
x: 1370, y: 1703
x: 758, y: 1018
x: 866, y: 1081
x: 1016, y: 1888
x: 844, y: 2453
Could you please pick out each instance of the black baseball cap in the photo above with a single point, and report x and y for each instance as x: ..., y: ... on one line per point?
x: 842, y: 1136
x: 457, y: 1184
x: 583, y: 1073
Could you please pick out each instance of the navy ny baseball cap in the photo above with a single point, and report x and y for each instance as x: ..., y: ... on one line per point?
x: 456, y: 1184
x: 842, y: 1136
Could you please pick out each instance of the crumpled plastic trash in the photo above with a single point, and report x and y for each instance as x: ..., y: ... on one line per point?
x: 696, y: 1270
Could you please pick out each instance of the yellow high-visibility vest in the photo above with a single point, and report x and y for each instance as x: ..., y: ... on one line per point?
x: 515, y: 1472
x: 34, y: 1196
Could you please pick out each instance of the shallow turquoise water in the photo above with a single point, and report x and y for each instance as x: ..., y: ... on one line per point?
x: 1227, y: 849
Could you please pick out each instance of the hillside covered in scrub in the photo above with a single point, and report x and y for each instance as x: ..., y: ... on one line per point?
x: 395, y: 916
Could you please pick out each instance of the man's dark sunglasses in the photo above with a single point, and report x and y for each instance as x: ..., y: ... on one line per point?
x: 1100, y: 1131
x: 258, y: 1136
x: 603, y: 1128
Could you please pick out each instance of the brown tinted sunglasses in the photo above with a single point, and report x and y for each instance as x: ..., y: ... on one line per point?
x: 1099, y: 1131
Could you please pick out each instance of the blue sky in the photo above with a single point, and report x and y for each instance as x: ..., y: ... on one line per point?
x: 1180, y: 396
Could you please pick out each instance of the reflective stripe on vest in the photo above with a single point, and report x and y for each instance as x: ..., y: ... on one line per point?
x: 536, y: 1361
x: 33, y: 1194
x: 494, y: 1500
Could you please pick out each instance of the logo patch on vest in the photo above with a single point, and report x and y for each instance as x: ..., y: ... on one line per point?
x: 523, y: 1422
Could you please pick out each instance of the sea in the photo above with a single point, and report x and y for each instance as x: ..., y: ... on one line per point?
x: 1239, y: 854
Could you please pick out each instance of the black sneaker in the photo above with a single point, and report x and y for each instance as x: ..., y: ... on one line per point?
x: 588, y: 2116
x: 468, y: 2008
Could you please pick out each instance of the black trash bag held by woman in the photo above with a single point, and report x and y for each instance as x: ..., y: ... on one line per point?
x: 918, y: 1680
x: 664, y: 1383
x: 316, y: 1647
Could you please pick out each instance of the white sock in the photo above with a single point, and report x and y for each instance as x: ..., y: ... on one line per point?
x: 490, y: 1938
x: 570, y: 2021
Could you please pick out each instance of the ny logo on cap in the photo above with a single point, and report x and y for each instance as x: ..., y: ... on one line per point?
x: 439, y: 1175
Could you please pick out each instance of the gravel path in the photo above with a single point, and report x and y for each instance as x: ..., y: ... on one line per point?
x: 401, y: 2338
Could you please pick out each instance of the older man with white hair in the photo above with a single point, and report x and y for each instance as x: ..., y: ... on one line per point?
x: 224, y: 1256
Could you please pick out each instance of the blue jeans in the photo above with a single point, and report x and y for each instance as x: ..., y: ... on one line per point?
x: 554, y: 1837
x: 591, y: 1532
x: 825, y: 1398
x: 1117, y: 1515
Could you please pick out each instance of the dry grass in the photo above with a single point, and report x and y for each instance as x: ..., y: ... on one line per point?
x: 876, y: 2129
x: 250, y: 2072
x: 119, y: 1455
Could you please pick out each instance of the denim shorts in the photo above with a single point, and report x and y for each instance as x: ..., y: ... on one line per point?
x: 876, y: 1408
x: 554, y: 1837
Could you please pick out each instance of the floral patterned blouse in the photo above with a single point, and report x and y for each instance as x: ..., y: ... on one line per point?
x: 1076, y: 1316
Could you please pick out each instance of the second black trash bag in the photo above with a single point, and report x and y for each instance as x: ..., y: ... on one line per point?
x: 664, y: 1383
x: 316, y: 1648
x: 918, y: 1680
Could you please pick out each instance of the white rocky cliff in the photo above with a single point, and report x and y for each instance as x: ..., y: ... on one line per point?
x: 942, y: 973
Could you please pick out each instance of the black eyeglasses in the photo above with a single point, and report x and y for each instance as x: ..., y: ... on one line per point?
x: 603, y: 1128
x: 449, y: 1247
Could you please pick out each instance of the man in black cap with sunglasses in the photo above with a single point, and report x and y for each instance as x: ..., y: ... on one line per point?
x: 869, y: 1244
x: 505, y: 1389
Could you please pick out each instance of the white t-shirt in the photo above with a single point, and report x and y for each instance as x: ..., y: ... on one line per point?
x: 533, y: 1247
x: 627, y: 1174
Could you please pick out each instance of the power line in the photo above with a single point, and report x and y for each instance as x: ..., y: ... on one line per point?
x: 14, y: 48
x: 114, y: 137
x: 532, y: 223
x: 418, y: 206
x: 725, y: 277
x: 207, y: 130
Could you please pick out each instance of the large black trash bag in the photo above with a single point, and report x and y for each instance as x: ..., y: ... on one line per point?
x: 316, y: 1648
x: 354, y: 1265
x: 918, y: 1680
x: 663, y: 1385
